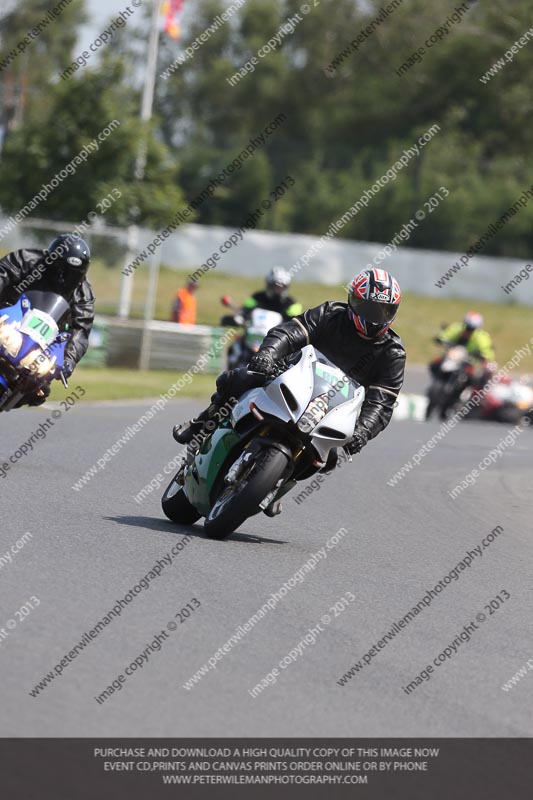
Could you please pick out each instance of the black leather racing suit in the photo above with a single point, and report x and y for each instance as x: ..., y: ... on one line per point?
x: 23, y: 270
x: 376, y: 364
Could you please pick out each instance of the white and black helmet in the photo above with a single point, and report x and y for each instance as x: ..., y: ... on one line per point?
x: 278, y: 281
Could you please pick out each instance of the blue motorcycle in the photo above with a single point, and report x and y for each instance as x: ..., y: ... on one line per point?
x: 32, y: 348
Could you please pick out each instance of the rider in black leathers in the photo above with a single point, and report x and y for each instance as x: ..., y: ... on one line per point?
x: 62, y: 269
x: 274, y: 297
x: 356, y: 336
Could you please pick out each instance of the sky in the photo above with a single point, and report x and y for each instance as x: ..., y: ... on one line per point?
x: 100, y: 12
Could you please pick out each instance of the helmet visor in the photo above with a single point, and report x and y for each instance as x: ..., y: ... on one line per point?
x: 370, y: 311
x: 68, y: 278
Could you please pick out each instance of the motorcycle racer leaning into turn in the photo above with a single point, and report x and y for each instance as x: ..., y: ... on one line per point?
x: 61, y: 269
x: 356, y: 336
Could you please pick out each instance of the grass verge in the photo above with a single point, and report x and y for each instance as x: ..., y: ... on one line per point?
x: 418, y: 321
x: 127, y: 384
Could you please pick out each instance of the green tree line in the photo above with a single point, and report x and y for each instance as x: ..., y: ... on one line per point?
x: 349, y: 115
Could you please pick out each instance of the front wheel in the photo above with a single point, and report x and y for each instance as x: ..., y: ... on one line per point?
x: 509, y: 414
x: 176, y: 505
x: 236, y: 502
x: 435, y: 394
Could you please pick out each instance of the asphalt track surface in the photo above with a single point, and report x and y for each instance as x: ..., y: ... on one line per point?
x: 90, y: 547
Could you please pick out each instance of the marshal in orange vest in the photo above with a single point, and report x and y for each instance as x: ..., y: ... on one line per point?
x: 184, y: 307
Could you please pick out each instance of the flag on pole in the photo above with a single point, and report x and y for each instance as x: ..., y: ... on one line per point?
x: 172, y: 10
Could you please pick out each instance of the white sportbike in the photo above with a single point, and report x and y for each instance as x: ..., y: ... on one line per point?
x: 274, y: 436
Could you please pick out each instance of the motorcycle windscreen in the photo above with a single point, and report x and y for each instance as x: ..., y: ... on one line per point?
x: 51, y: 303
x: 329, y: 377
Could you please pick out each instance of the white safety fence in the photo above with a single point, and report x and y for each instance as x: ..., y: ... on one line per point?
x: 169, y: 346
x: 256, y: 252
x: 410, y: 406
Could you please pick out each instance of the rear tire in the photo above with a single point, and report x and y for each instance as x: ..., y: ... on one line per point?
x: 235, y: 504
x: 176, y: 505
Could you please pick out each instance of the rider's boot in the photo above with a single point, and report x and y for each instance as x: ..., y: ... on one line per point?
x: 184, y: 434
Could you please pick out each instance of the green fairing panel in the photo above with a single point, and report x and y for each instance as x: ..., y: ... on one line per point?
x: 208, y: 462
x: 323, y: 372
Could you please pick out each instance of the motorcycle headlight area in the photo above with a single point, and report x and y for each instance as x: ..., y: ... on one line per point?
x: 315, y: 411
x: 38, y: 363
x: 10, y: 339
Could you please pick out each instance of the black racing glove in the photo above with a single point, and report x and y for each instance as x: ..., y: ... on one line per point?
x: 358, y: 441
x: 263, y: 363
x: 68, y: 369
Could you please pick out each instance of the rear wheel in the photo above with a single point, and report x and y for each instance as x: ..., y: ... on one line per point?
x: 238, y: 501
x: 176, y: 505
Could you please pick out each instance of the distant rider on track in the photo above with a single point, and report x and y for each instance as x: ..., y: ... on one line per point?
x: 274, y: 297
x: 478, y: 343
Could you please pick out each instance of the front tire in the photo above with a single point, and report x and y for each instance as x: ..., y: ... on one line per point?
x: 509, y: 414
x: 176, y: 505
x: 435, y: 393
x: 236, y: 502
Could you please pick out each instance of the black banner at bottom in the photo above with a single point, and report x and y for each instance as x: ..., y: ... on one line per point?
x: 131, y: 769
